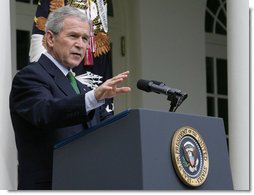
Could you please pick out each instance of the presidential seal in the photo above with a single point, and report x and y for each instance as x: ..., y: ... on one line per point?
x: 190, y: 156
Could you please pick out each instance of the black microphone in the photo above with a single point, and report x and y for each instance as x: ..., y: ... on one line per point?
x: 176, y: 96
x: 157, y: 87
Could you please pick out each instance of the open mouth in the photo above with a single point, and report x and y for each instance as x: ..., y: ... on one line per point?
x: 76, y: 54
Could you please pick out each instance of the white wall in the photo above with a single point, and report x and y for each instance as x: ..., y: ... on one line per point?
x: 167, y: 43
x: 8, y: 160
x: 133, y: 46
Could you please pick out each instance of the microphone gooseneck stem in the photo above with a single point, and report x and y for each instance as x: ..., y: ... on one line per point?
x: 176, y: 100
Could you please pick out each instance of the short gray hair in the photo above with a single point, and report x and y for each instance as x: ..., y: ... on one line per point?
x: 55, y: 19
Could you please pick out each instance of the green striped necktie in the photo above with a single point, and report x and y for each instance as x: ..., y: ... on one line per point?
x: 73, y: 82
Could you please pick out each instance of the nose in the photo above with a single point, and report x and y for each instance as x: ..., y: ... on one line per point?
x: 80, y: 42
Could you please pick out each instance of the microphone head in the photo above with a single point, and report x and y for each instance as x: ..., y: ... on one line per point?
x: 144, y: 85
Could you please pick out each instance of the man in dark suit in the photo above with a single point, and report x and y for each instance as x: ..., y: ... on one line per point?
x: 44, y: 106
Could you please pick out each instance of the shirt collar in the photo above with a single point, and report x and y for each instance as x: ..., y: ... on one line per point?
x: 58, y: 65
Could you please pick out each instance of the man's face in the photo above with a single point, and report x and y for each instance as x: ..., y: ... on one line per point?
x: 69, y: 46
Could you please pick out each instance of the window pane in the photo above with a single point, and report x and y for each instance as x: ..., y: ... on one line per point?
x: 219, y: 29
x: 213, y: 5
x: 210, y: 106
x: 225, y: 5
x: 222, y: 17
x: 24, y: 1
x: 223, y: 112
x: 208, y: 22
x: 110, y: 8
x: 209, y: 75
x: 23, y: 42
x: 222, y: 78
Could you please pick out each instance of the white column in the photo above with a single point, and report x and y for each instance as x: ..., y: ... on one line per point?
x: 238, y: 93
x: 252, y: 69
x: 8, y: 156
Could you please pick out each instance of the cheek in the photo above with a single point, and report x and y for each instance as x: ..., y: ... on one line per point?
x: 58, y: 49
x: 64, y: 48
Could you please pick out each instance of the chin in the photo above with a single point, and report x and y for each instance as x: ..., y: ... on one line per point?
x: 75, y: 64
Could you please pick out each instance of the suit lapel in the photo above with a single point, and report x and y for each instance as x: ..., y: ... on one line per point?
x: 82, y: 88
x: 60, y: 79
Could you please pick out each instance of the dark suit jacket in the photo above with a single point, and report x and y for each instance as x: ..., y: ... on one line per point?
x: 45, y: 110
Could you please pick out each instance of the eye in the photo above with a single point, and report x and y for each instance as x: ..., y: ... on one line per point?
x: 72, y: 35
x: 85, y: 38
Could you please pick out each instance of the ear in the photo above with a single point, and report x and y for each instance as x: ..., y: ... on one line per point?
x: 50, y: 38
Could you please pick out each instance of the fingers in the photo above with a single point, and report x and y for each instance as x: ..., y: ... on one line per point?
x: 109, y: 88
x: 123, y: 90
x: 125, y: 73
x: 121, y: 75
x: 119, y: 78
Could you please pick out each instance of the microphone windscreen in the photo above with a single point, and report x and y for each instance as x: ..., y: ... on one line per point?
x: 143, y: 85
